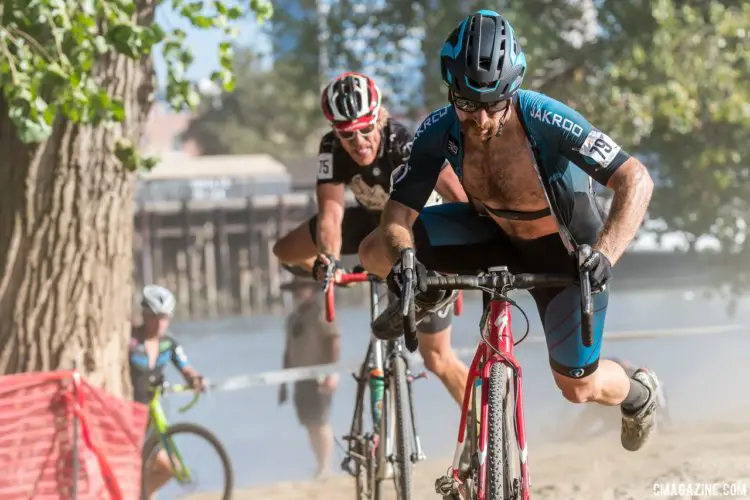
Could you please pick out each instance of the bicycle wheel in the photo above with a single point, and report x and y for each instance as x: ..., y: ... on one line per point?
x: 154, y: 443
x: 502, y: 451
x: 471, y: 472
x: 403, y: 438
x: 360, y: 449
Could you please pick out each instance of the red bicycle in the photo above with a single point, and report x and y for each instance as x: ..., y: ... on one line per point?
x: 498, y: 468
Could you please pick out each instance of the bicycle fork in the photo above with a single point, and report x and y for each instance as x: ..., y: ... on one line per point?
x: 359, y: 444
x: 388, y: 431
x: 418, y: 454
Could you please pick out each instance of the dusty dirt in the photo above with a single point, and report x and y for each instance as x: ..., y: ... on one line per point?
x: 596, y: 470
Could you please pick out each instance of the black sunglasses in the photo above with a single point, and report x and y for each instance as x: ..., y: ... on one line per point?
x: 469, y: 106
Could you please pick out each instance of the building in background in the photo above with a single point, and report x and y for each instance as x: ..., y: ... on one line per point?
x: 164, y: 129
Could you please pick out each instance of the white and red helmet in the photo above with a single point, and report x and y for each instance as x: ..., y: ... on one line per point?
x: 351, y: 101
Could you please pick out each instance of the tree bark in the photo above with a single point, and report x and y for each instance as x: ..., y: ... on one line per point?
x: 66, y: 230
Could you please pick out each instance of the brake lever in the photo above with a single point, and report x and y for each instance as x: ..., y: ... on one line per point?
x: 407, y: 293
x: 587, y: 306
x: 407, y: 301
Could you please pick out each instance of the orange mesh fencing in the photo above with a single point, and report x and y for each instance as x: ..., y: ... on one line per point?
x: 36, y: 439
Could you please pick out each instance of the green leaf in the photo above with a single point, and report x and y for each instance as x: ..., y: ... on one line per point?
x: 54, y: 70
x: 118, y: 110
x: 124, y: 39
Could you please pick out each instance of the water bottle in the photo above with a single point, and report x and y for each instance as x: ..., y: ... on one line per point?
x: 377, y: 386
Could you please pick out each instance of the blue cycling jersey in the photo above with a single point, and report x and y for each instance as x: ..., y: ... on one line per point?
x: 568, y: 152
x: 141, y: 371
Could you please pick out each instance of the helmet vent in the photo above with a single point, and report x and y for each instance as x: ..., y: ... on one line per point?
x: 501, y: 59
x: 480, y: 86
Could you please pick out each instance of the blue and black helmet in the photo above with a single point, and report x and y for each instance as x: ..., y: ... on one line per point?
x: 482, y: 59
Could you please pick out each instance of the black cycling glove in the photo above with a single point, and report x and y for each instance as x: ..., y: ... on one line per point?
x: 395, y: 279
x: 599, y: 268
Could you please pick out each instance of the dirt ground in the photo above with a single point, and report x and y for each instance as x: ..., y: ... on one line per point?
x: 600, y: 469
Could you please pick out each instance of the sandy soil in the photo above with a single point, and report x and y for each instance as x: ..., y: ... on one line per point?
x: 596, y: 470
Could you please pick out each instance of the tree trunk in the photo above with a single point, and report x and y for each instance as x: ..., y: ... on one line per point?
x: 66, y: 230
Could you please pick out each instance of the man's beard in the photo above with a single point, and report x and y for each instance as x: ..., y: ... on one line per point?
x: 471, y: 127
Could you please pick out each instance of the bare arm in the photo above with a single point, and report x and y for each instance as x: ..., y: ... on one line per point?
x: 449, y: 187
x: 330, y: 217
x: 190, y: 373
x: 633, y: 187
x: 395, y: 227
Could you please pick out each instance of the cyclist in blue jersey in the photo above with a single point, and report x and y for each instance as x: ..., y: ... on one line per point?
x: 595, y: 420
x: 151, y: 350
x: 528, y: 163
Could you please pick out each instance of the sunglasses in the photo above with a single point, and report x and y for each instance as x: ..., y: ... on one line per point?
x: 364, y: 132
x: 469, y: 106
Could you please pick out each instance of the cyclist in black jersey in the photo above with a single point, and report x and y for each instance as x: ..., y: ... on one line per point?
x: 362, y: 152
x: 151, y: 350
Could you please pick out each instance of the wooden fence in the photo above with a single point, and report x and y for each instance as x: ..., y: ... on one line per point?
x: 216, y: 255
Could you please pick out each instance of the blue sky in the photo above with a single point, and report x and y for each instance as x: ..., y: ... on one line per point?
x: 204, y: 46
x: 203, y: 42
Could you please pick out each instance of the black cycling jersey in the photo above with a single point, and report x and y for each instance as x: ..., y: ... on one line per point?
x: 140, y: 371
x: 371, y: 185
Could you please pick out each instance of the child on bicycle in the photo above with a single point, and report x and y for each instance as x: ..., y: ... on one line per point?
x: 151, y: 349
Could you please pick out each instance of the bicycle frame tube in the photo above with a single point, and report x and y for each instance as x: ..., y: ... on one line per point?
x: 377, y: 351
x: 160, y: 425
x: 377, y: 364
x: 497, y: 330
x: 158, y: 418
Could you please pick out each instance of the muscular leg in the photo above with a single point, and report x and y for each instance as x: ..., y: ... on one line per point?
x: 434, y: 334
x: 439, y: 357
x: 373, y: 256
x: 608, y: 385
x: 297, y: 248
x: 583, y: 378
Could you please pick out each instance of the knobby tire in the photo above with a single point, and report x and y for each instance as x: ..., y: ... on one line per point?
x: 403, y: 437
x: 497, y: 438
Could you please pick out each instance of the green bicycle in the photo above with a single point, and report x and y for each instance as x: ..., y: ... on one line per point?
x: 162, y: 437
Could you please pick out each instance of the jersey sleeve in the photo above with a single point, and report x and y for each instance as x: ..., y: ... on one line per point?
x: 404, y: 140
x: 179, y: 358
x: 327, y: 172
x: 413, y: 182
x: 576, y: 139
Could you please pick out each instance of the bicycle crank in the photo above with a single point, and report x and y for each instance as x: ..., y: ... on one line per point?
x: 447, y: 487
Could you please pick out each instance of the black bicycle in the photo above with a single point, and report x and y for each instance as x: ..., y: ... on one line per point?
x: 390, y: 445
